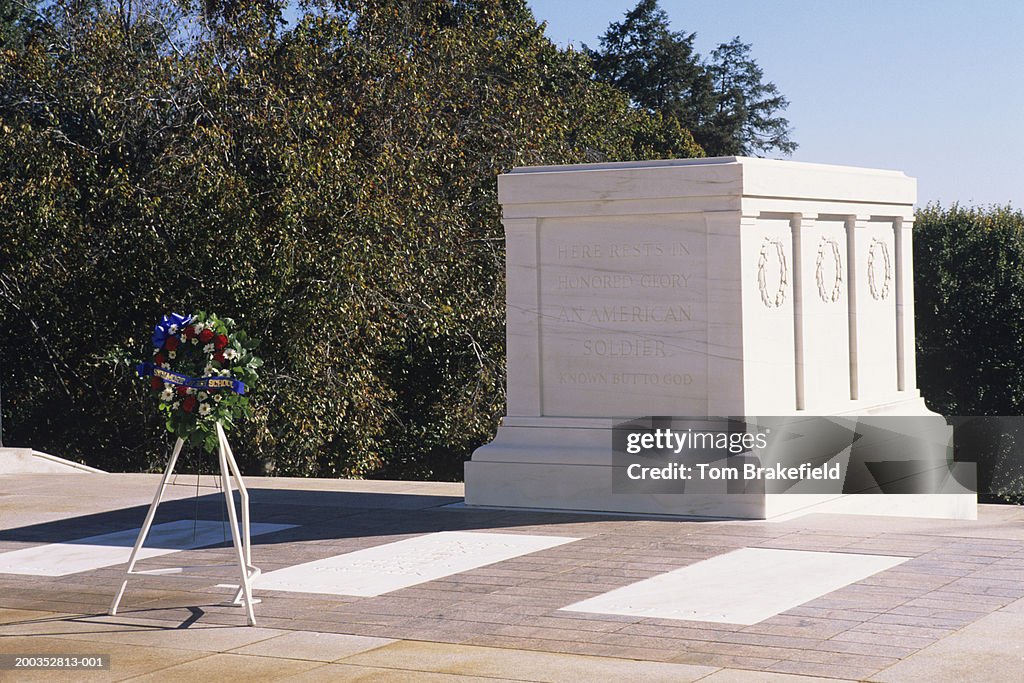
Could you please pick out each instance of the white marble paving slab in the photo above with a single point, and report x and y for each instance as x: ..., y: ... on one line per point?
x: 388, y: 567
x: 105, y: 550
x: 745, y: 586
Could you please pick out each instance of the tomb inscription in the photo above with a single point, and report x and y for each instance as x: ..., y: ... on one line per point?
x: 624, y: 319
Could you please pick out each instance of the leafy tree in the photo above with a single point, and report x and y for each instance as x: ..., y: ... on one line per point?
x: 331, y: 187
x: 14, y: 17
x: 726, y: 103
x: 657, y: 67
x: 746, y: 119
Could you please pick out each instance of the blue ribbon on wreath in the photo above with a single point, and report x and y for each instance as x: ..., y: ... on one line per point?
x: 205, y: 383
x: 163, y: 329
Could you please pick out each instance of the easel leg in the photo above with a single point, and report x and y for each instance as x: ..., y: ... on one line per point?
x: 243, y: 566
x: 242, y: 492
x: 244, y: 496
x: 144, y: 531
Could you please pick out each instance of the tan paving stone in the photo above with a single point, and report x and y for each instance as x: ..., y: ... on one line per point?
x: 13, y: 616
x: 358, y: 674
x: 126, y: 661
x: 24, y: 645
x: 368, y: 630
x: 990, y: 649
x: 531, y: 666
x: 231, y: 667
x: 540, y: 645
x: 1016, y: 607
x: 59, y: 626
x: 741, y: 676
x: 313, y: 646
x: 208, y: 639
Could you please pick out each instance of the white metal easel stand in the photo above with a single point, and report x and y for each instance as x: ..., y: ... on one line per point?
x: 242, y: 543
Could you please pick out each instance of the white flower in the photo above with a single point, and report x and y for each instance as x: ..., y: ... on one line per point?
x: 165, y: 366
x: 205, y: 409
x: 176, y: 405
x: 230, y: 354
x: 208, y: 348
x: 216, y: 397
x: 190, y: 390
x: 173, y: 329
x: 167, y: 394
x: 202, y: 396
x: 195, y: 340
x: 208, y: 370
x: 172, y: 354
x: 225, y: 373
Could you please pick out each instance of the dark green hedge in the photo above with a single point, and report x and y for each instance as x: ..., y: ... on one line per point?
x: 969, y: 298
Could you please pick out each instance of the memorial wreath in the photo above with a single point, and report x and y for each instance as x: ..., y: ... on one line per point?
x: 201, y: 371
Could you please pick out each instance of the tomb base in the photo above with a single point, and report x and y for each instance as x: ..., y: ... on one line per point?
x: 567, y: 464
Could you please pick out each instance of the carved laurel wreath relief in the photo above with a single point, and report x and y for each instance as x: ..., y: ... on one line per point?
x: 879, y: 251
x: 828, y: 250
x: 769, y: 247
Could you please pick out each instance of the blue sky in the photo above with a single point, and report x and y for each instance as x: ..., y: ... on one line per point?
x: 934, y: 88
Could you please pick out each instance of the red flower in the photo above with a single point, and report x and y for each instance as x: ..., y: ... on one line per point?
x: 171, y: 344
x: 189, y: 403
x: 182, y: 391
x: 220, y: 342
x: 156, y: 383
x: 219, y: 357
x: 205, y: 336
x: 190, y: 332
x: 159, y: 359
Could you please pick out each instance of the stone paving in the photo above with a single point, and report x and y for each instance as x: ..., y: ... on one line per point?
x: 953, y: 611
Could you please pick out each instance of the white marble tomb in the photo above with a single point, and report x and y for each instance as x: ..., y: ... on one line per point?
x: 699, y: 287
